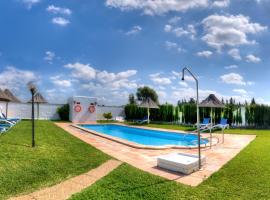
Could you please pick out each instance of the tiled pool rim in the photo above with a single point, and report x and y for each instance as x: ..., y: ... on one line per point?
x: 139, y: 146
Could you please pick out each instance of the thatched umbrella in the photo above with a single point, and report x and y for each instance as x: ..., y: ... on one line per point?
x: 5, y: 98
x: 211, y: 102
x: 148, y: 103
x: 38, y: 99
x: 12, y: 98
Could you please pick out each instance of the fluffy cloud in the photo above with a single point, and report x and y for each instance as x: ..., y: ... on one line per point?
x: 16, y: 79
x: 234, y: 78
x: 240, y: 91
x: 60, y: 82
x: 174, y: 20
x: 173, y: 46
x: 89, y: 76
x: 221, y: 3
x: 82, y: 71
x: 150, y: 7
x: 235, y: 54
x: 30, y: 3
x: 157, y: 79
x: 205, y: 54
x: 229, y: 30
x: 58, y: 10
x: 49, y: 56
x: 231, y: 67
x: 60, y: 21
x: 180, y: 31
x: 134, y: 30
x: 252, y: 58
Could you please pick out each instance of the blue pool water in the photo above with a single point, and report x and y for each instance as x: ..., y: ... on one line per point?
x: 146, y: 137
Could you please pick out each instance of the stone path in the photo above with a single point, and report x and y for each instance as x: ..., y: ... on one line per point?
x: 71, y: 186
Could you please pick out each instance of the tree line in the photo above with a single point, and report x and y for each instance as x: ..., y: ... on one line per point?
x: 247, y: 114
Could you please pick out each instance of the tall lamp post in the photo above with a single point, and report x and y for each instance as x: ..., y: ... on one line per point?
x: 32, y: 88
x: 198, y: 113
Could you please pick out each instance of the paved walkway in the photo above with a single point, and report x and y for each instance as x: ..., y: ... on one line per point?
x: 74, y: 185
x: 146, y: 159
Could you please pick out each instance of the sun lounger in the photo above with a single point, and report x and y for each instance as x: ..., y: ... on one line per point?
x: 205, y: 123
x: 222, y: 125
x: 142, y: 121
x: 6, y: 122
x: 3, y: 129
x: 13, y: 120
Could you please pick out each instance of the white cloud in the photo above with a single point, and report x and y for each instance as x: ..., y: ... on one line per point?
x: 58, y: 10
x: 252, y: 58
x: 157, y: 79
x: 240, y: 91
x: 30, y: 3
x: 233, y: 78
x: 205, y: 54
x: 150, y: 7
x: 221, y: 3
x: 82, y: 71
x: 174, y: 20
x: 229, y: 30
x: 60, y: 21
x: 49, y: 56
x: 134, y: 30
x: 58, y: 81
x: 235, y: 54
x: 189, y: 31
x: 15, y: 79
x: 173, y: 46
x: 167, y: 28
x: 231, y: 67
x: 183, y: 84
x: 103, y: 79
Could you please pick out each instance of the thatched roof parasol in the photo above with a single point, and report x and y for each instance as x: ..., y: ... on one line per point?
x: 212, y: 102
x: 38, y: 98
x: 148, y: 103
x: 11, y: 96
x: 4, y: 97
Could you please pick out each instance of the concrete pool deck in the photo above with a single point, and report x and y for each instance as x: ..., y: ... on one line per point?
x: 146, y: 159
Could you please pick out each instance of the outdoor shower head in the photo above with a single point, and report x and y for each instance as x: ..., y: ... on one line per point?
x: 183, y: 74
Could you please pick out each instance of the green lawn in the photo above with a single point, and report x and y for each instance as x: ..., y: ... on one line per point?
x: 247, y: 176
x: 58, y: 156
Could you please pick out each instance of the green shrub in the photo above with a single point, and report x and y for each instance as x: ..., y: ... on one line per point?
x: 107, y: 115
x: 63, y: 112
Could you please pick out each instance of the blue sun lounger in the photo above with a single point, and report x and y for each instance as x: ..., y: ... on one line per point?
x: 12, y: 120
x: 222, y: 125
x: 143, y: 120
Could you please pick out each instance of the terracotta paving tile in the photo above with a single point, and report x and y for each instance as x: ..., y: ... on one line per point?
x: 146, y: 159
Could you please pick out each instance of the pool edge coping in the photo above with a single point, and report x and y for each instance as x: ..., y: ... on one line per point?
x: 139, y: 146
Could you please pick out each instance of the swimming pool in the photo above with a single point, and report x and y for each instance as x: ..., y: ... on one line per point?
x: 146, y: 136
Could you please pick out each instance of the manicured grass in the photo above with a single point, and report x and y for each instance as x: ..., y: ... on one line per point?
x: 57, y: 156
x: 247, y: 176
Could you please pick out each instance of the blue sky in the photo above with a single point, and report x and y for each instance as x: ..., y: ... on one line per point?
x: 108, y: 48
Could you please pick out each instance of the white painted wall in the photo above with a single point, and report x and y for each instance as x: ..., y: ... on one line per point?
x: 49, y: 111
x: 23, y: 110
x: 115, y: 110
